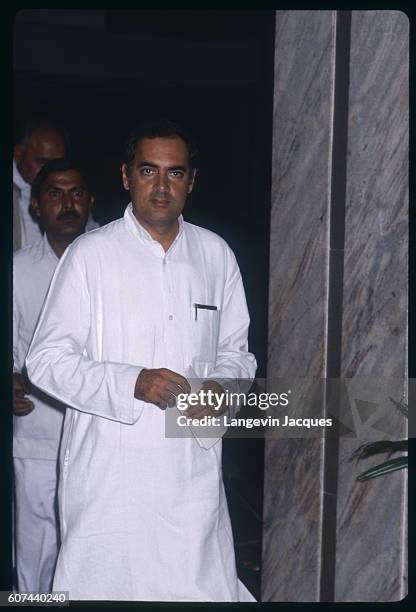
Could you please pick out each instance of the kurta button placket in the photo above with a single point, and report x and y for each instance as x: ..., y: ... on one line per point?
x: 169, y: 334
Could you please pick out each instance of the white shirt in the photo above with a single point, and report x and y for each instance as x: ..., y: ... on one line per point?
x: 30, y: 230
x: 37, y: 434
x: 143, y: 517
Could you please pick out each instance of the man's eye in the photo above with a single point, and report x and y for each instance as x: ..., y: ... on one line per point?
x: 79, y: 193
x: 147, y: 171
x: 176, y: 173
x: 54, y: 193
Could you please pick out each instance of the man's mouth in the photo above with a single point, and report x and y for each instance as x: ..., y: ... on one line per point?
x: 68, y: 218
x: 160, y: 201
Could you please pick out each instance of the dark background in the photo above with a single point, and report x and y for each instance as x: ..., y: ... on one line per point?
x: 101, y: 73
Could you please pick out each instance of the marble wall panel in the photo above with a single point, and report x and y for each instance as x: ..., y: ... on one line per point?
x: 371, y: 518
x: 371, y: 529
x: 297, y: 292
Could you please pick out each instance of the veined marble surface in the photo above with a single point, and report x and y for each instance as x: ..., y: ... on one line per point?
x: 298, y: 286
x: 300, y: 192
x: 371, y: 516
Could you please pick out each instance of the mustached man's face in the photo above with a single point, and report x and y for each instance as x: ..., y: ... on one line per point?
x: 64, y: 205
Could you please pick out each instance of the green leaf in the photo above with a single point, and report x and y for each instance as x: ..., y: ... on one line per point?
x: 384, y: 468
x: 382, y: 446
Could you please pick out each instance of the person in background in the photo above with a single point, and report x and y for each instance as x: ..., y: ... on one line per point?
x: 39, y: 141
x: 61, y: 201
x: 17, y: 231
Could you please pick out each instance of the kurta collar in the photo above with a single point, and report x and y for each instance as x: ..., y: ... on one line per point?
x: 19, y: 180
x: 137, y: 228
x: 45, y: 249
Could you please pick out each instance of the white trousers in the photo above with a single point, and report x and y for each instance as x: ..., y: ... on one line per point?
x: 36, y: 526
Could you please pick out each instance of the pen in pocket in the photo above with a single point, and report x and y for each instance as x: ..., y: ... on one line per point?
x: 203, y: 307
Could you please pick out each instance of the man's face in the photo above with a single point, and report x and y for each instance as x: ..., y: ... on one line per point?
x: 63, y: 205
x: 43, y: 145
x: 159, y: 180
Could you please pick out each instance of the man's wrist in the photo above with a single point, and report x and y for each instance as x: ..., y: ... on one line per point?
x: 138, y: 394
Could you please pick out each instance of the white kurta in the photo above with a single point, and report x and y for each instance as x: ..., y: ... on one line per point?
x: 30, y: 231
x: 35, y: 436
x: 143, y: 517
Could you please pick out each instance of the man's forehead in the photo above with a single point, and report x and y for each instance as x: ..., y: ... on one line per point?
x: 64, y: 178
x: 170, y: 150
x: 46, y: 139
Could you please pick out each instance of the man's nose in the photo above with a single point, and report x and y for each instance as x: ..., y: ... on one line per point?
x: 67, y: 201
x: 162, y: 183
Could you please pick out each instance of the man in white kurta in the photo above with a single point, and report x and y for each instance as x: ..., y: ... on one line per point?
x: 37, y: 421
x: 35, y: 435
x: 143, y: 516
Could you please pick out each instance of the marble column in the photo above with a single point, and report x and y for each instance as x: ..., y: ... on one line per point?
x: 370, y: 533
x: 371, y: 522
x: 297, y: 293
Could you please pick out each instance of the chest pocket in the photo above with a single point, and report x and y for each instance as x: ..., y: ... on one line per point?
x: 206, y: 328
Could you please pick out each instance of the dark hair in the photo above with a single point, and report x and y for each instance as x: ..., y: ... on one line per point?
x: 41, y: 124
x: 54, y: 165
x: 160, y: 128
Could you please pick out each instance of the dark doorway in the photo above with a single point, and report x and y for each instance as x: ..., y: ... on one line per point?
x: 101, y: 72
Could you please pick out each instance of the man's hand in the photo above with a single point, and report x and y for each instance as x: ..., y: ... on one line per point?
x: 160, y: 387
x: 197, y: 412
x: 21, y: 404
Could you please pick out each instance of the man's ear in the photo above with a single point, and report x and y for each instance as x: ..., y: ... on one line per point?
x: 92, y: 201
x: 34, y: 204
x: 125, y: 177
x: 192, y: 180
x: 18, y: 151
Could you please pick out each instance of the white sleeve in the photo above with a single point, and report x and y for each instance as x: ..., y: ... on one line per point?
x: 17, y: 357
x: 234, y: 361
x: 57, y: 361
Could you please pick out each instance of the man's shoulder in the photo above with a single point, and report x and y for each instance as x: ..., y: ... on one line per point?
x: 215, y: 251
x: 33, y: 268
x: 99, y: 238
x: 27, y: 255
x: 206, y: 237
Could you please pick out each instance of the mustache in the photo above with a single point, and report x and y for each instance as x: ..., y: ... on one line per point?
x: 160, y: 196
x: 69, y: 214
